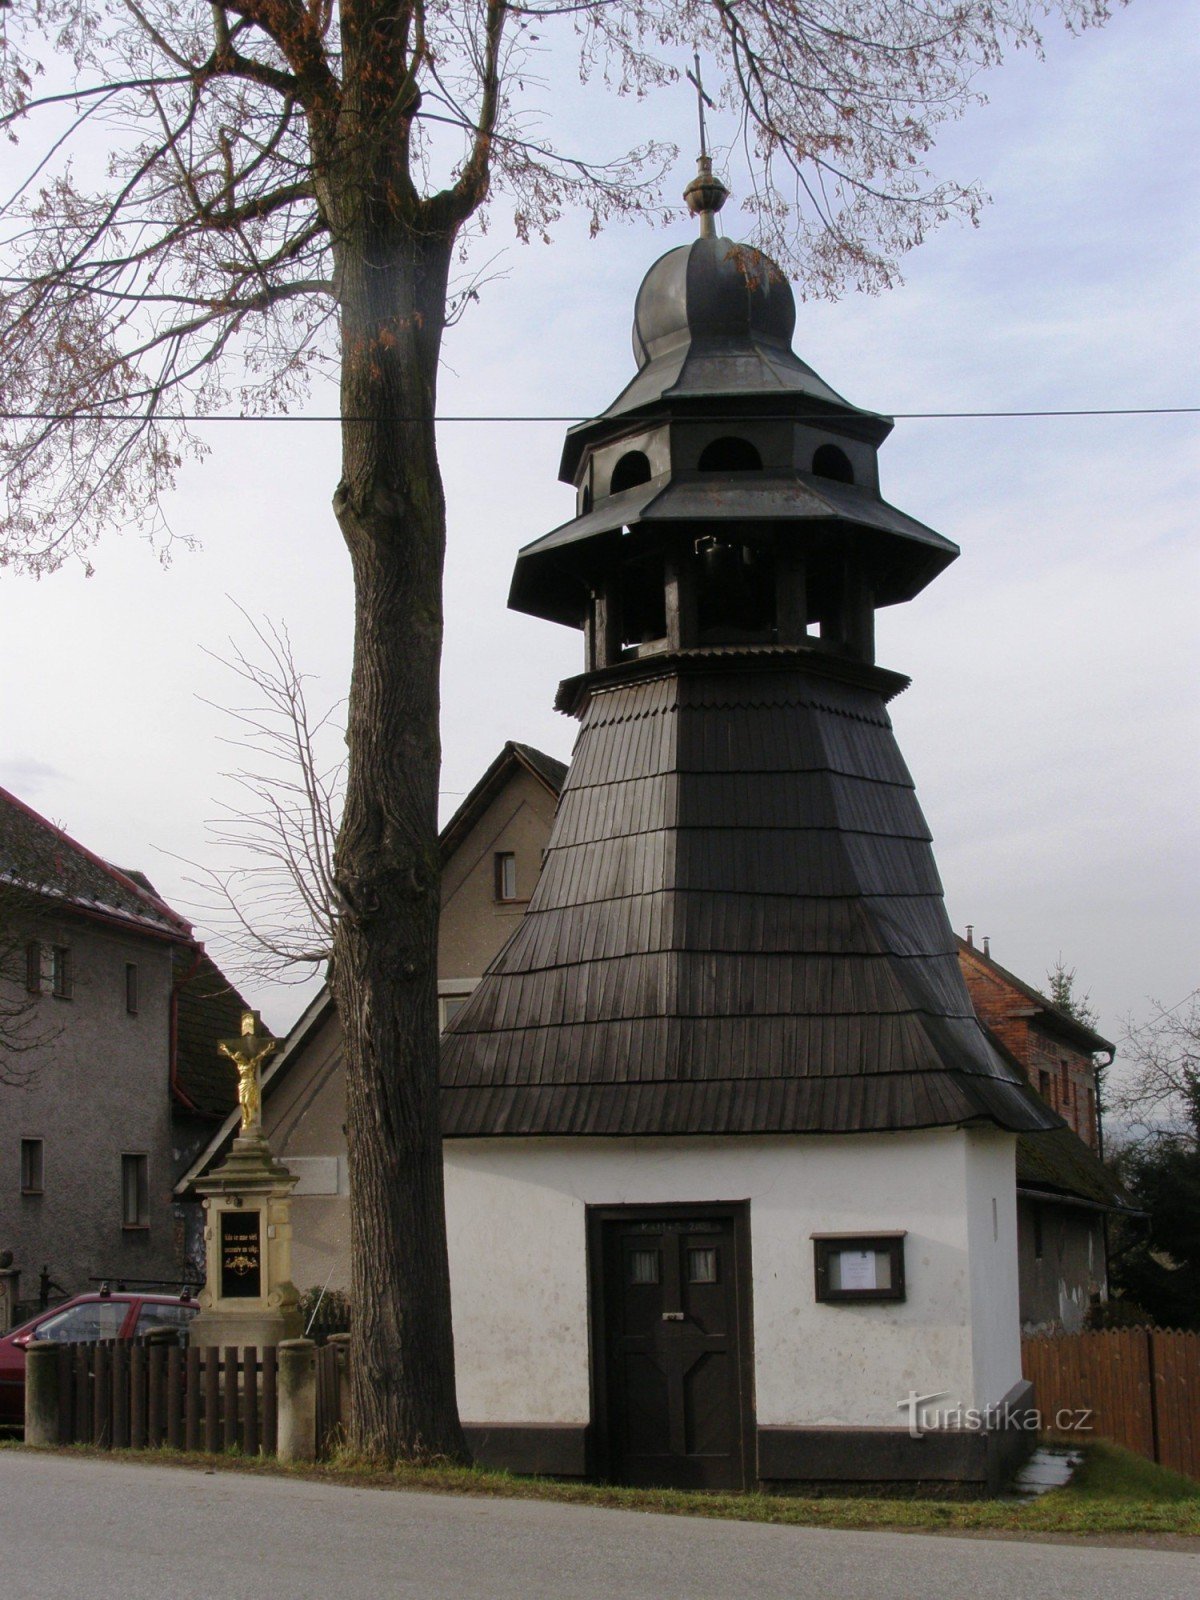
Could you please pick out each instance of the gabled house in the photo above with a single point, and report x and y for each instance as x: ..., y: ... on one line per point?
x: 109, y: 1013
x: 491, y: 853
x: 1062, y: 1056
x: 1064, y: 1191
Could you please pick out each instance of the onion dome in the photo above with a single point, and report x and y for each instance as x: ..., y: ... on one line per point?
x: 724, y: 434
x: 712, y: 289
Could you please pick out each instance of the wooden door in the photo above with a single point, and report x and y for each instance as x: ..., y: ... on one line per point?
x: 676, y: 1373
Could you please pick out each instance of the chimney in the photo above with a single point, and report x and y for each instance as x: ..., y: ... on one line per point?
x: 987, y: 947
x: 970, y: 936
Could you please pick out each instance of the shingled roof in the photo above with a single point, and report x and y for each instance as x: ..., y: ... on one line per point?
x: 208, y: 1008
x: 739, y: 927
x: 1057, y: 1165
x: 39, y: 858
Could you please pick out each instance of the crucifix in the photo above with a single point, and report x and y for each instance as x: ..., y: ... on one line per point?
x: 247, y: 1052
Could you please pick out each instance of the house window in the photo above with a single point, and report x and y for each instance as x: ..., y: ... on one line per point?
x: 135, y: 1191
x: 31, y: 1166
x: 1044, y: 1085
x: 449, y: 1006
x: 131, y: 988
x: 60, y: 972
x: 48, y: 965
x: 1065, y: 1075
x: 506, y: 875
x: 859, y: 1266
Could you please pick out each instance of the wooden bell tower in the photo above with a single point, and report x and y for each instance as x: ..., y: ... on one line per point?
x: 739, y: 926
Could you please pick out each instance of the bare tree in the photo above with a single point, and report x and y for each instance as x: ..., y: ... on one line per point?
x: 23, y: 1025
x: 287, y: 185
x: 1161, y: 1088
x: 33, y: 886
x: 274, y: 900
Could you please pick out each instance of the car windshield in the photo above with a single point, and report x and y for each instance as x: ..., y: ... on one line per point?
x: 158, y: 1315
x: 84, y: 1324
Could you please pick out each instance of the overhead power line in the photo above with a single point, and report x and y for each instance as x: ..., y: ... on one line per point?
x: 897, y: 416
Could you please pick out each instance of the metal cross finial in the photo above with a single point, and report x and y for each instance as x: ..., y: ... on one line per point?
x: 705, y: 195
x: 702, y: 100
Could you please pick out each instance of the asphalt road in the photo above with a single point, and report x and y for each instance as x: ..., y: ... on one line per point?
x: 99, y: 1530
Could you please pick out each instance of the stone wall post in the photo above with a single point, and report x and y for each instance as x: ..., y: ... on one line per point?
x: 341, y: 1343
x: 41, y: 1393
x: 10, y: 1291
x: 297, y: 1435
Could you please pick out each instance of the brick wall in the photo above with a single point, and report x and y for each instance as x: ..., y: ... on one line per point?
x: 1062, y: 1073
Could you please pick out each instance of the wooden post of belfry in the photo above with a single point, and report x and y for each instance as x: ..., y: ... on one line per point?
x: 248, y: 1296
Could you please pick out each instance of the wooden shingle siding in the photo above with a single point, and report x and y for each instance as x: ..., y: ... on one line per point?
x: 739, y: 927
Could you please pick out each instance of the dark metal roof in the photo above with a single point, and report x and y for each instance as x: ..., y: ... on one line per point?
x: 776, y: 505
x: 714, y: 320
x: 739, y: 928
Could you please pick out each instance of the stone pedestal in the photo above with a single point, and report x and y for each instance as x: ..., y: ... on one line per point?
x: 248, y: 1295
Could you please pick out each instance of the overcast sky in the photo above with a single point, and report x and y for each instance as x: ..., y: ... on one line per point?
x: 1052, y: 721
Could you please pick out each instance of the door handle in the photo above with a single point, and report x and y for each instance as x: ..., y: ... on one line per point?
x: 673, y: 1316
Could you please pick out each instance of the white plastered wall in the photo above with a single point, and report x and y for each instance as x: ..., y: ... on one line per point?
x: 992, y: 1247
x: 517, y: 1235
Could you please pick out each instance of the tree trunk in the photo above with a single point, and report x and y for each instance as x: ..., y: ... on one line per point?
x: 391, y: 509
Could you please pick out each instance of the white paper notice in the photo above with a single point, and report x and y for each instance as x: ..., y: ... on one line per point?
x: 858, y: 1269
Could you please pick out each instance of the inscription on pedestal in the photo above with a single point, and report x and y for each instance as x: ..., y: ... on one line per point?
x: 241, y: 1255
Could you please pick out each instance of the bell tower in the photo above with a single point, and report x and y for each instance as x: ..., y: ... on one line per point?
x: 739, y: 926
x: 728, y: 497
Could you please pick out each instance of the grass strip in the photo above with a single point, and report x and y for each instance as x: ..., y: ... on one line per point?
x: 1113, y: 1492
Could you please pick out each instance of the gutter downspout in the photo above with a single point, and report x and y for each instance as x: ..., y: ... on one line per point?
x: 1099, y: 1067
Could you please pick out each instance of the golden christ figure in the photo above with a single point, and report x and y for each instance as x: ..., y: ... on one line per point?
x: 247, y: 1052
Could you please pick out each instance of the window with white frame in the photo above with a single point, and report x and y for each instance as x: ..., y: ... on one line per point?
x: 506, y: 875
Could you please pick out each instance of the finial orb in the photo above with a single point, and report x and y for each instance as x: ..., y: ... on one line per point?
x: 705, y: 195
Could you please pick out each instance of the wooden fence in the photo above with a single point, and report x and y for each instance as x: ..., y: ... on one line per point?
x: 333, y: 1394
x: 121, y: 1395
x: 1141, y: 1386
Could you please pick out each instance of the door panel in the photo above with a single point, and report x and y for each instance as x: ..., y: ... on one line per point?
x: 677, y: 1409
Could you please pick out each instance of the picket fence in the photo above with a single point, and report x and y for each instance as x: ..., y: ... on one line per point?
x: 121, y: 1395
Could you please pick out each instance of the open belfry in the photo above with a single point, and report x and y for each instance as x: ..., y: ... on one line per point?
x: 729, y: 1158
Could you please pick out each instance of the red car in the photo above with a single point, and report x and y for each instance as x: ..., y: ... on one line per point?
x: 83, y: 1320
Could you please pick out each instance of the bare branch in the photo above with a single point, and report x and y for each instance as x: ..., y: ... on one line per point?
x: 274, y: 904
